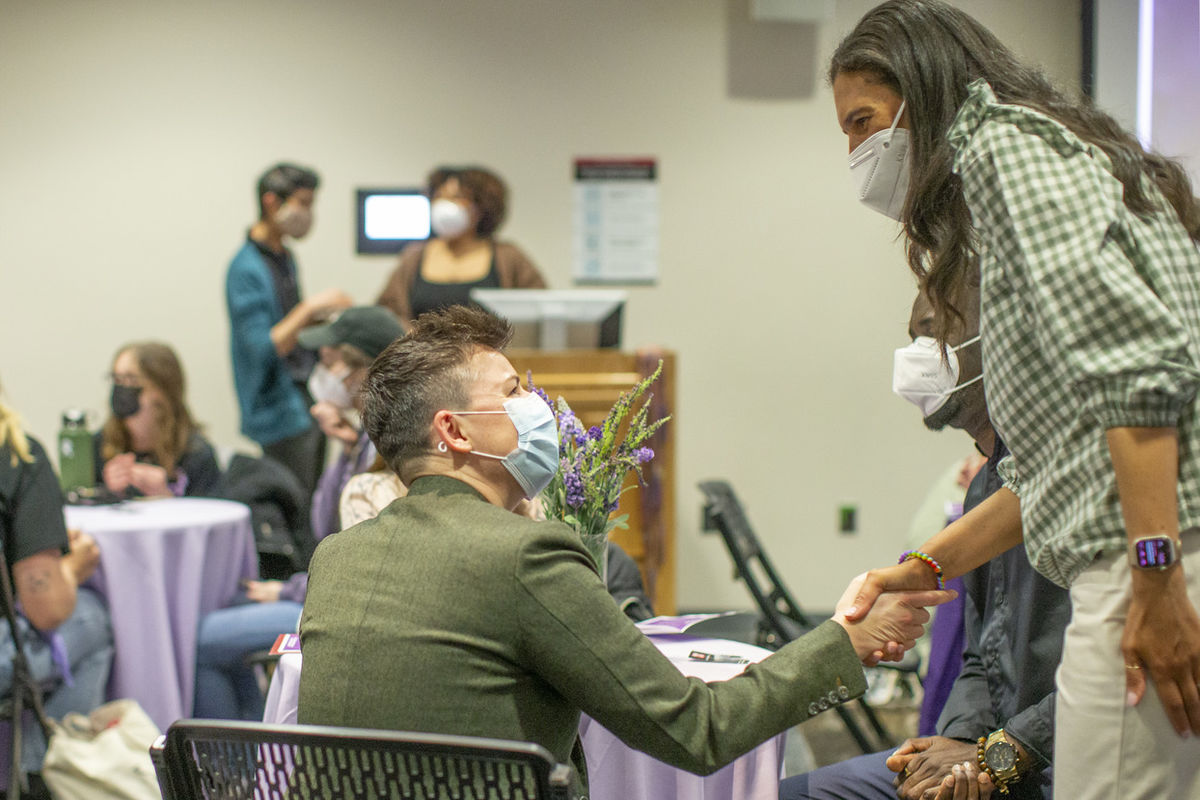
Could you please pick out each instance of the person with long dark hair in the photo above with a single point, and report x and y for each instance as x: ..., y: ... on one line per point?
x: 1083, y: 248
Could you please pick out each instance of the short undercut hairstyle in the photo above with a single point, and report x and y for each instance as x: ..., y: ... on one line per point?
x: 282, y: 180
x: 422, y: 373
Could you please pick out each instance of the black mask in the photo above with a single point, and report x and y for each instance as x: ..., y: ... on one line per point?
x: 125, y: 400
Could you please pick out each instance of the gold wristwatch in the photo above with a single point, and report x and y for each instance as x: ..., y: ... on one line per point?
x: 999, y: 758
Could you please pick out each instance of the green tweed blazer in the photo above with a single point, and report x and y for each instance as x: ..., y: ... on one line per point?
x: 447, y: 614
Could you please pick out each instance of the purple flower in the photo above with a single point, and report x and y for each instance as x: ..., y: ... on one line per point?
x: 540, y: 392
x: 643, y: 454
x: 568, y: 426
x: 572, y: 484
x: 594, y: 433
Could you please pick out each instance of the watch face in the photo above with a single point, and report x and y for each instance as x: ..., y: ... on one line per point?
x: 1154, y: 552
x: 1000, y: 756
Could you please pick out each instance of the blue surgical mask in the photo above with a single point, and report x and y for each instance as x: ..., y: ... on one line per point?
x: 535, y: 461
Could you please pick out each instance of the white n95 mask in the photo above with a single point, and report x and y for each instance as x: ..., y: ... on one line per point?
x: 880, y: 168
x: 448, y: 219
x: 922, y: 377
x: 535, y: 461
x: 327, y: 386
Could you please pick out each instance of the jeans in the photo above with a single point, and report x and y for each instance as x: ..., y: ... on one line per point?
x: 861, y: 778
x: 87, y: 635
x: 225, y: 686
x: 868, y: 778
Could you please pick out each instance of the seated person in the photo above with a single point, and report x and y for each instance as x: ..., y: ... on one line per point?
x: 1014, y: 624
x: 368, y: 493
x: 499, y: 624
x: 47, y: 564
x: 150, y: 446
x: 348, y: 345
x: 468, y: 205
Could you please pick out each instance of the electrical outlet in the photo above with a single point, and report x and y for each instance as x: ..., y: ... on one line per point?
x: 847, y: 519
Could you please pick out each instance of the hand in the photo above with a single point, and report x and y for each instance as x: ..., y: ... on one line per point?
x: 894, y: 624
x: 1162, y: 636
x: 531, y: 508
x: 149, y: 480
x: 117, y: 472
x: 331, y: 422
x: 912, y: 574
x: 922, y: 764
x: 83, y: 555
x: 264, y: 591
x: 965, y: 782
x: 324, y: 303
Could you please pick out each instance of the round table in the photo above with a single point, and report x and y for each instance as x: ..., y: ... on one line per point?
x: 615, y: 770
x: 164, y: 564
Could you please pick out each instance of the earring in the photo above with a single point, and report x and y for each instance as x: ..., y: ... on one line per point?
x: 441, y: 447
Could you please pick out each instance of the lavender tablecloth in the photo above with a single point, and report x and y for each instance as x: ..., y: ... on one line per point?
x: 615, y: 771
x: 164, y: 564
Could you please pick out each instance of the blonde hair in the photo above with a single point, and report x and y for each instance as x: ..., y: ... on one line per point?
x: 12, y: 435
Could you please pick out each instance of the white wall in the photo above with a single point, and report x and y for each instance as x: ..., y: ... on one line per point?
x: 132, y: 133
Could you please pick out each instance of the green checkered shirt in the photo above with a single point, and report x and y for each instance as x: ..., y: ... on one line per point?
x: 1090, y: 317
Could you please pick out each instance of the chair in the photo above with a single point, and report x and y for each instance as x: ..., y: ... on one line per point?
x: 279, y: 512
x: 200, y: 760
x: 782, y: 620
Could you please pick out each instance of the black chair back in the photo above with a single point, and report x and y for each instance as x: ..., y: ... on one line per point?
x: 781, y: 615
x: 724, y: 513
x: 203, y: 760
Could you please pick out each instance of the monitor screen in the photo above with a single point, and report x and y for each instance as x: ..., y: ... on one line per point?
x: 561, y: 318
x: 389, y: 219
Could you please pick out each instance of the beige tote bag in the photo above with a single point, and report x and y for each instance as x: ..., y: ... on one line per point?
x: 102, y: 756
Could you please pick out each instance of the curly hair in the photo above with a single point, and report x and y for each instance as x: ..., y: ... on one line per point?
x: 928, y: 53
x: 482, y: 187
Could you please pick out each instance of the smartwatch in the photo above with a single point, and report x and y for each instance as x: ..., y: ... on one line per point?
x: 1000, y: 759
x: 1154, y: 552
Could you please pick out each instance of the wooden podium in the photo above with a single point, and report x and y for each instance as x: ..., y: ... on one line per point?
x: 591, y: 381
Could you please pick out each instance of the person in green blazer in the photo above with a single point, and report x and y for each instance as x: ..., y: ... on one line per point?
x: 450, y: 614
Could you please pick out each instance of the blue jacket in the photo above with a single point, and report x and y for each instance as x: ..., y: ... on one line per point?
x: 272, y: 407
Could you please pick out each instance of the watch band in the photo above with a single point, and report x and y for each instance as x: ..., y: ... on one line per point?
x: 1001, y: 778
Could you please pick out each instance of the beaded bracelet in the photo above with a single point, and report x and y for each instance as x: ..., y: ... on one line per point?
x: 929, y: 560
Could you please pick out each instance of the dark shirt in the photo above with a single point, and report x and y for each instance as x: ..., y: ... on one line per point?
x: 196, y: 474
x: 1014, y: 620
x: 282, y: 266
x: 31, y: 516
x: 431, y: 296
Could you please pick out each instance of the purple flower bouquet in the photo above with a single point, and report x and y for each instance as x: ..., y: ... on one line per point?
x: 594, y: 463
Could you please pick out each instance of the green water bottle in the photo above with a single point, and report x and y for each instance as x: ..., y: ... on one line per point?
x: 75, y: 467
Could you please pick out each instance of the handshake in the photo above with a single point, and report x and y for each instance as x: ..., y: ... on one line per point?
x: 887, y: 625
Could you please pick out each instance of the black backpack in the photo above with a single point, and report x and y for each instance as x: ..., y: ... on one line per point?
x: 279, y: 513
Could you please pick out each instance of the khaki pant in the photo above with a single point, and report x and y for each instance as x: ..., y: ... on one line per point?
x: 1103, y: 749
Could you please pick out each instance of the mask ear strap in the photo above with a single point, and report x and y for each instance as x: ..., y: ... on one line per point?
x: 896, y: 121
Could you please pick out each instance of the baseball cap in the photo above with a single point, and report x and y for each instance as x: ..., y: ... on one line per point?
x: 369, y: 328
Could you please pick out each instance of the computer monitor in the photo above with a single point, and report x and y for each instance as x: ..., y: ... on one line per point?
x: 389, y: 219
x: 558, y: 319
